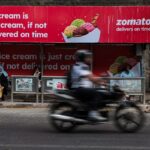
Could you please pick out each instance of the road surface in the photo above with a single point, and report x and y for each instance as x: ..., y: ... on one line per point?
x: 29, y: 129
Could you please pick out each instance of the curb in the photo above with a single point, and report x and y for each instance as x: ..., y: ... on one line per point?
x: 145, y: 108
x: 23, y: 105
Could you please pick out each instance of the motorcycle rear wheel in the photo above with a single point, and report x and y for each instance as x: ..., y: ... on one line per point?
x: 129, y: 119
x: 61, y: 125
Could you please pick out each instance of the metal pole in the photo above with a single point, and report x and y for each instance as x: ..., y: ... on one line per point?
x: 42, y: 71
x: 42, y: 89
x: 139, y: 52
x: 143, y: 69
x: 12, y: 84
x: 144, y: 91
x: 37, y: 90
x: 146, y: 70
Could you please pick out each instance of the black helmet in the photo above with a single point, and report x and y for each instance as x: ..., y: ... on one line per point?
x: 82, y: 54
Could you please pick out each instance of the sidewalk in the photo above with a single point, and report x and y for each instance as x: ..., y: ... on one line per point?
x: 23, y: 105
x: 145, y: 108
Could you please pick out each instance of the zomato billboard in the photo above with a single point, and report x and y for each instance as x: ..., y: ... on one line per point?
x: 75, y: 24
x: 23, y: 59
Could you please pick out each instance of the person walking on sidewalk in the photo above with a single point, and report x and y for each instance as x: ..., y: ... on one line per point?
x: 3, y: 82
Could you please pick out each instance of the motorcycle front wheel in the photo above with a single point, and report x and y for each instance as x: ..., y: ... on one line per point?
x: 129, y: 119
x: 58, y: 124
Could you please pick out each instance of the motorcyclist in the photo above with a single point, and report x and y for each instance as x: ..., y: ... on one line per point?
x: 82, y: 83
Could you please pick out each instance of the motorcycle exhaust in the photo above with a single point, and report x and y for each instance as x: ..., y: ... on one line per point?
x: 67, y: 118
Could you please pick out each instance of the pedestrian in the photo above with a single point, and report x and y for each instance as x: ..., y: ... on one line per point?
x: 128, y: 84
x: 127, y: 73
x: 37, y: 73
x: 3, y: 83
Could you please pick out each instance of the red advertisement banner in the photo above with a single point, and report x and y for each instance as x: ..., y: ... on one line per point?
x: 75, y: 24
x: 23, y: 59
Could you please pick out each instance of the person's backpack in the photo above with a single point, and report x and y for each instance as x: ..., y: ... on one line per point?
x: 69, y: 79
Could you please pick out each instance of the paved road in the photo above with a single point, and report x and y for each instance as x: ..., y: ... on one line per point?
x: 28, y: 129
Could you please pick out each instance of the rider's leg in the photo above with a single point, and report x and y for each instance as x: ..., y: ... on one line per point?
x: 92, y: 98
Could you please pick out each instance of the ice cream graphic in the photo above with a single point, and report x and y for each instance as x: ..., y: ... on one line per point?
x: 82, y: 32
x: 119, y: 63
x: 78, y: 22
x: 114, y: 68
x: 88, y: 26
x: 69, y: 31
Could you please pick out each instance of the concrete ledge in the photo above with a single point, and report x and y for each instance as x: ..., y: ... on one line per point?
x: 23, y: 105
x: 145, y: 108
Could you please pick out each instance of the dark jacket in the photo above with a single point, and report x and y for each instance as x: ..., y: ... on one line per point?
x: 4, y: 83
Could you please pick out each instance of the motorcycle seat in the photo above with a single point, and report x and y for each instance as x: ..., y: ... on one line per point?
x: 107, y: 95
x: 104, y: 92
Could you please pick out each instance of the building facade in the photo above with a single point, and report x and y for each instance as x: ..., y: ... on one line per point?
x: 142, y: 50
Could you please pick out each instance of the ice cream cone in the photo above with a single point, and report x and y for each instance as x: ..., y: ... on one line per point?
x: 94, y: 20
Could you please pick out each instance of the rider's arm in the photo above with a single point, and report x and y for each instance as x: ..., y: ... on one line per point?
x: 86, y: 73
x: 94, y: 79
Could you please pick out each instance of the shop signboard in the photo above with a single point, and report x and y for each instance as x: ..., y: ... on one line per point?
x: 59, y: 83
x: 53, y: 83
x: 75, y: 24
x: 23, y: 84
x: 132, y: 85
x: 56, y: 83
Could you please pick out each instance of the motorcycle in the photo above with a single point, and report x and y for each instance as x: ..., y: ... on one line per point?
x: 67, y: 112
